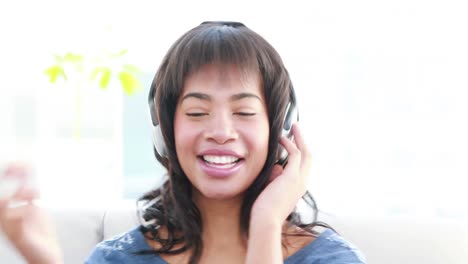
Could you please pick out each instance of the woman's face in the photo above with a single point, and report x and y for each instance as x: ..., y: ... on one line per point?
x: 221, y: 131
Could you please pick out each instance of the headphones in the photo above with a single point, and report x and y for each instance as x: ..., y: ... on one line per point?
x: 291, y: 116
x: 158, y: 139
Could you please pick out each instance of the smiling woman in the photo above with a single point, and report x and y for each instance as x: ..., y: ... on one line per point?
x: 219, y: 104
x: 381, y: 87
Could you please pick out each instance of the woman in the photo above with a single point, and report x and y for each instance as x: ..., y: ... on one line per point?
x: 219, y: 103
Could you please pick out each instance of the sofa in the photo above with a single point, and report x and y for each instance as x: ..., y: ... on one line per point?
x: 383, y: 240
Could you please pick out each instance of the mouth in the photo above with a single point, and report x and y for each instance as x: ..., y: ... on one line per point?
x: 220, y: 161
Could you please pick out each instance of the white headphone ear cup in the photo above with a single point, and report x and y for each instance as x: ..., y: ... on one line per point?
x: 290, y: 117
x: 158, y: 141
x: 282, y: 154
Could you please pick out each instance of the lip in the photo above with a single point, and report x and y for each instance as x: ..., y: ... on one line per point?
x: 220, y: 152
x: 219, y: 172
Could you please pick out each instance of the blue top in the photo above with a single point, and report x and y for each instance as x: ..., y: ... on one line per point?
x: 328, y: 247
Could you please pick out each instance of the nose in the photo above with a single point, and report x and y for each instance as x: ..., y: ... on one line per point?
x: 221, y: 128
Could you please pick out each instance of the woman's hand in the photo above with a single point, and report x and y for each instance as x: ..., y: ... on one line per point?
x: 277, y: 201
x: 286, y: 185
x: 26, y: 225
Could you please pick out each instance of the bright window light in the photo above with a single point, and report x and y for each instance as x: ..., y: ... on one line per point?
x: 382, y: 91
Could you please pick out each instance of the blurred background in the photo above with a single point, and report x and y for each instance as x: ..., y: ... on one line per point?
x: 382, y: 90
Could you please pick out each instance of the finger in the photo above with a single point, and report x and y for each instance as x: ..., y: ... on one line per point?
x: 301, y: 145
x: 277, y: 171
x: 26, y: 193
x: 14, y: 178
x: 298, y: 137
x: 16, y: 170
x: 3, y: 206
x: 299, y: 156
x: 3, y: 209
x: 294, y: 159
x: 288, y: 145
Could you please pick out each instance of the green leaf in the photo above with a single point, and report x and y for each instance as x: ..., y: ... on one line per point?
x: 105, y: 78
x: 117, y: 55
x: 105, y: 74
x: 73, y: 57
x: 54, y: 72
x: 122, y: 52
x: 131, y: 69
x: 129, y: 82
x: 59, y: 59
x: 95, y: 73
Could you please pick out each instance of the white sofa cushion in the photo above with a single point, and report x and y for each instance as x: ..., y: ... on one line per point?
x: 119, y: 218
x: 400, y: 240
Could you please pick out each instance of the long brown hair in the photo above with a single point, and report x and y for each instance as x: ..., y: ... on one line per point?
x: 219, y: 43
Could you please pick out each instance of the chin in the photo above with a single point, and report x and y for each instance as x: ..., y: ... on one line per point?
x: 219, y: 194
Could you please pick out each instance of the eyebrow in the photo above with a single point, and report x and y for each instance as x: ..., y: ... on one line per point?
x: 235, y: 97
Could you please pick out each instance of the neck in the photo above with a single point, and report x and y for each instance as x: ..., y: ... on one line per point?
x: 221, y: 221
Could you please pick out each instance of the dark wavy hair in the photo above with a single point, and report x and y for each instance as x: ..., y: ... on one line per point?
x: 171, y: 205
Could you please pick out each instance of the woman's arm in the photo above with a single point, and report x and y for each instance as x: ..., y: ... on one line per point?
x: 27, y: 226
x: 277, y: 201
x: 264, y: 245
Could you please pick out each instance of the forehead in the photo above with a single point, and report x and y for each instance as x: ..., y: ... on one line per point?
x: 223, y: 78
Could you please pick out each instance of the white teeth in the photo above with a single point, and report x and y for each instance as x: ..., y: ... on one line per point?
x: 221, y: 166
x: 220, y: 160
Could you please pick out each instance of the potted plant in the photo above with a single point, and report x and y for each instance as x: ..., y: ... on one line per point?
x: 103, y: 69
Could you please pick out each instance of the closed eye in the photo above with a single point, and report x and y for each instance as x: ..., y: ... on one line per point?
x: 196, y: 114
x: 244, y: 114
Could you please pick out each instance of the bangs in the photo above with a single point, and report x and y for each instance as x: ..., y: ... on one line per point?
x: 216, y: 44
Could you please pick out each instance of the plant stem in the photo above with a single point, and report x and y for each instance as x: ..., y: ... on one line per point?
x: 78, y: 104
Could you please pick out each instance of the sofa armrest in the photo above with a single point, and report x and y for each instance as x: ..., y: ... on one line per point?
x: 78, y: 230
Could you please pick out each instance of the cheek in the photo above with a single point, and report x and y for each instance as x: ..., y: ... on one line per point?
x: 181, y: 136
x: 184, y: 135
x: 258, y: 138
